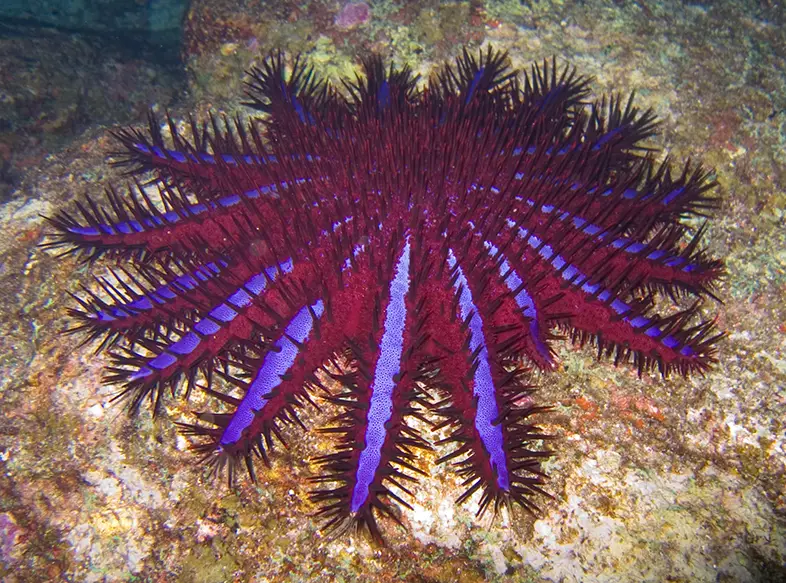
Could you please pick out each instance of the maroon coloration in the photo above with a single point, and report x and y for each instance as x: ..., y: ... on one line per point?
x: 544, y: 205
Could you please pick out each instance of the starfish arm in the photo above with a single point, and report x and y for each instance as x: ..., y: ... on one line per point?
x: 238, y: 316
x: 485, y: 400
x: 648, y: 198
x: 656, y: 262
x: 278, y: 388
x: 375, y: 440
x: 520, y: 314
x: 156, y: 300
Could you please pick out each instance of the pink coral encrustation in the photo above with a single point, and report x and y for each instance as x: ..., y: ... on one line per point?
x: 353, y: 14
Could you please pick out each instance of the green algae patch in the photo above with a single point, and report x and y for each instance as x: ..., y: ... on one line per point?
x: 208, y: 564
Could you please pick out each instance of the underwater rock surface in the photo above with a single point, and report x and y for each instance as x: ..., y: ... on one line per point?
x: 655, y: 479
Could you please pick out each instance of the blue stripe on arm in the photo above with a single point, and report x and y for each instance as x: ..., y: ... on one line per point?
x: 484, y: 390
x: 524, y: 301
x: 387, y: 367
x: 277, y: 363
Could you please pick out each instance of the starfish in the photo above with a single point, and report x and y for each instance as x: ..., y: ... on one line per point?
x: 422, y: 247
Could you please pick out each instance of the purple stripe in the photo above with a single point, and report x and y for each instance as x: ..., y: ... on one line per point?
x: 484, y: 390
x: 387, y: 367
x: 570, y: 273
x: 523, y: 300
x: 604, y: 139
x: 172, y: 217
x: 239, y: 299
x: 205, y: 157
x: 163, y: 360
x: 208, y: 326
x: 278, y: 361
x: 627, y: 245
x: 161, y: 295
